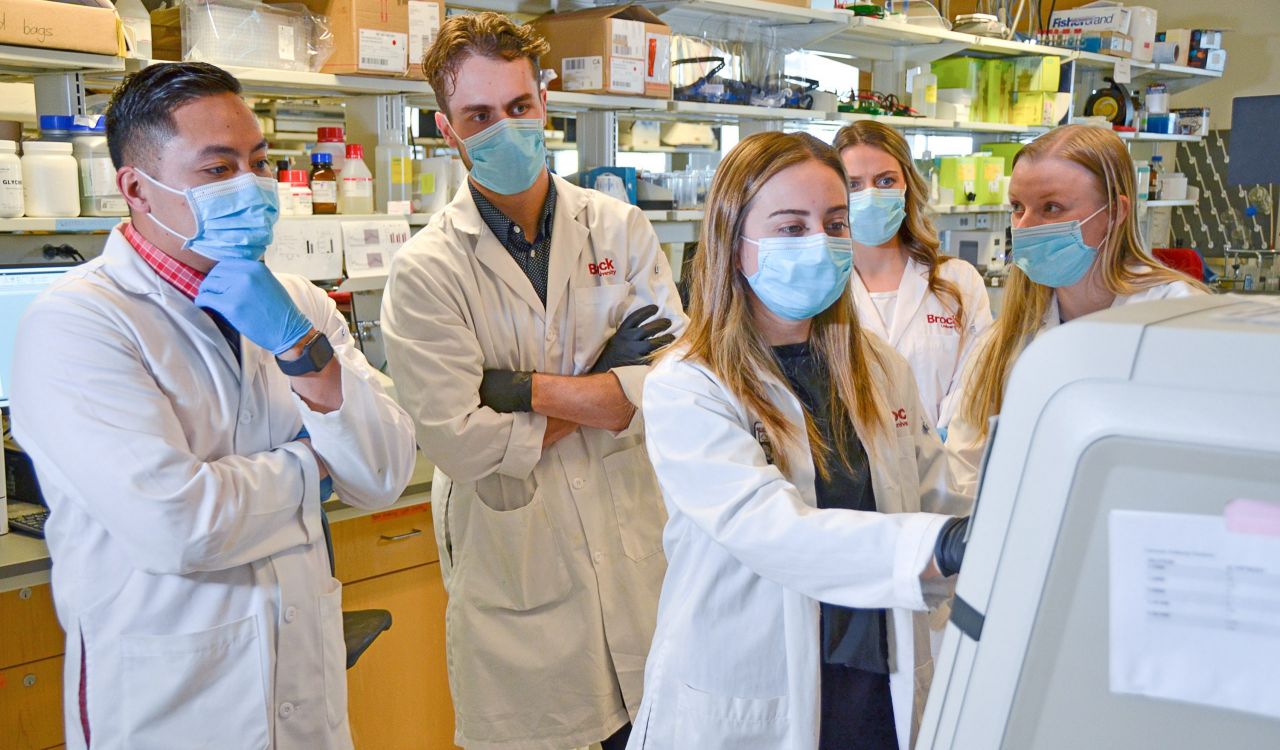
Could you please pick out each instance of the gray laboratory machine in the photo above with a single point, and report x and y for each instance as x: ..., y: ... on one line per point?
x: 1172, y: 408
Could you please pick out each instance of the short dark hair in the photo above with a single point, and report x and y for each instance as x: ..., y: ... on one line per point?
x: 141, y: 110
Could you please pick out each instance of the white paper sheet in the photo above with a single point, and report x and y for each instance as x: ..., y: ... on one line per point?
x: 369, y: 245
x: 308, y: 248
x: 1195, y: 611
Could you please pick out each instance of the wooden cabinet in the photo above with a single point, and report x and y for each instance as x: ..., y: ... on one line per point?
x: 398, y: 694
x: 31, y: 645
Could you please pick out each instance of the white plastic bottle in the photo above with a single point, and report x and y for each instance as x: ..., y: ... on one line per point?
x: 99, y: 195
x: 924, y: 93
x: 330, y: 141
x: 355, y: 187
x: 394, y: 184
x: 10, y: 181
x: 50, y: 180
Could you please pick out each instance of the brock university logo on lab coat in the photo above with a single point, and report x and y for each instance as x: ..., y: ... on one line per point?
x: 900, y: 418
x: 603, y: 268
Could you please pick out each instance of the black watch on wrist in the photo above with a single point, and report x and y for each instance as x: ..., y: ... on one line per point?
x: 315, y: 355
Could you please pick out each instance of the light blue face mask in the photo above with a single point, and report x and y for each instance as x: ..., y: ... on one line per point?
x: 235, y: 219
x: 799, y: 277
x: 875, y: 214
x: 508, y: 156
x: 1055, y: 255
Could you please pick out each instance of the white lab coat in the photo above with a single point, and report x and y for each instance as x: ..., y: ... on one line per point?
x: 552, y: 559
x: 736, y: 657
x: 924, y: 328
x: 188, y: 554
x: 964, y: 442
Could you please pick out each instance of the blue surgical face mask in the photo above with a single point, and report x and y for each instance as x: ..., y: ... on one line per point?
x: 235, y: 219
x: 508, y: 156
x: 799, y: 277
x: 875, y: 214
x: 1054, y: 255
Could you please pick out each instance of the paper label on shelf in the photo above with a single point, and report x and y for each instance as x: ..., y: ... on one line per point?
x: 427, y: 183
x: 627, y: 39
x: 98, y: 177
x: 357, y: 187
x: 582, y: 73
x: 400, y: 208
x: 626, y: 76
x: 369, y: 245
x: 383, y: 51
x: 307, y: 247
x: 1193, y: 611
x: 424, y: 25
x: 658, y: 58
x: 1123, y: 72
x: 285, y: 39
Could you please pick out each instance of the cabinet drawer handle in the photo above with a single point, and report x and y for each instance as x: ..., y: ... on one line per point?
x: 401, y: 537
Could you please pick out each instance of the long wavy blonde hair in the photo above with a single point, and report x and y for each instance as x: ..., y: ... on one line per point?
x: 724, y: 336
x: 917, y: 234
x: 1125, y: 267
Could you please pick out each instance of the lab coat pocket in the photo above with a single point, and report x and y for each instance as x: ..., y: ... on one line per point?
x: 201, y: 689
x: 708, y: 720
x: 334, y: 649
x: 511, y: 559
x: 637, y: 502
x: 598, y: 310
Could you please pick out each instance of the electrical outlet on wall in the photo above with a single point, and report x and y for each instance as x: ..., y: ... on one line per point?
x: 982, y: 221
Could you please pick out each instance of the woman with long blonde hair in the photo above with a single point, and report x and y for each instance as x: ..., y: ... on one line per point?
x: 794, y: 460
x: 929, y: 307
x: 1076, y: 250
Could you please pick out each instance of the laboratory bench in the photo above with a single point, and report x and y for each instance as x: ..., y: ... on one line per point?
x: 398, y: 694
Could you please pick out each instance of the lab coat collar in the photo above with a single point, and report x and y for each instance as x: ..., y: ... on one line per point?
x: 568, y: 238
x: 911, y: 293
x: 130, y: 272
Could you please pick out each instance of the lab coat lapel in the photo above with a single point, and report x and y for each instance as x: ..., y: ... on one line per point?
x: 911, y: 293
x: 870, y: 319
x: 133, y: 274
x: 491, y: 253
x: 569, y: 236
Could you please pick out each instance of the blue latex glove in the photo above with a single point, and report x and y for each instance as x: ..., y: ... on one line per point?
x: 255, y: 303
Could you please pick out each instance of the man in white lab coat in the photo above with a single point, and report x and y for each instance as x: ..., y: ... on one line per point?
x: 185, y: 409
x: 516, y: 330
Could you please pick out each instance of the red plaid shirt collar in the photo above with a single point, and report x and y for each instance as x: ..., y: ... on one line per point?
x: 184, y: 278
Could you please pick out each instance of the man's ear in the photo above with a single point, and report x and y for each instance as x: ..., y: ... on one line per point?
x: 129, y: 182
x: 451, y: 138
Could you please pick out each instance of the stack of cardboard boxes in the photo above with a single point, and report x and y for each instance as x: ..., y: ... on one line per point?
x: 623, y: 49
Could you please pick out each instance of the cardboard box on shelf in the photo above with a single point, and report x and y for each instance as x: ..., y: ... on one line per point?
x: 1033, y: 108
x: 1109, y: 43
x: 1038, y: 73
x: 958, y: 73
x: 378, y: 37
x: 50, y: 24
x: 622, y: 49
x: 1181, y: 41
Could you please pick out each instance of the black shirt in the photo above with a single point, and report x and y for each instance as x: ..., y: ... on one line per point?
x: 857, y: 709
x: 534, y: 258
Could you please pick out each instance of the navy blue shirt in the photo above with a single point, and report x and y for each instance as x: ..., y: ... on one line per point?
x: 534, y: 258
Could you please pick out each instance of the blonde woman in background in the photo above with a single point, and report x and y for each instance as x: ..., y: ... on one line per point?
x: 930, y: 308
x: 794, y: 459
x: 1076, y: 250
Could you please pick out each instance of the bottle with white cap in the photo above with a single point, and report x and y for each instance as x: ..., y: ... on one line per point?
x: 50, y: 179
x: 10, y: 181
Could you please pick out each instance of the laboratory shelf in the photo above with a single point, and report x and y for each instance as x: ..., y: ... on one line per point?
x: 1170, y: 203
x: 787, y: 26
x: 742, y: 112
x: 907, y: 123
x: 1001, y: 127
x: 570, y: 101
x: 996, y: 209
x: 1159, y: 137
x: 78, y: 224
x: 24, y: 62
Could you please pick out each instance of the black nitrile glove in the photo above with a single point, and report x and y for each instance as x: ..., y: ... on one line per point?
x: 633, y: 343
x: 949, y: 549
x: 507, y: 391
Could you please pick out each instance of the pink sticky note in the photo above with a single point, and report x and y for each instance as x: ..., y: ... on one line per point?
x: 1253, y: 517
